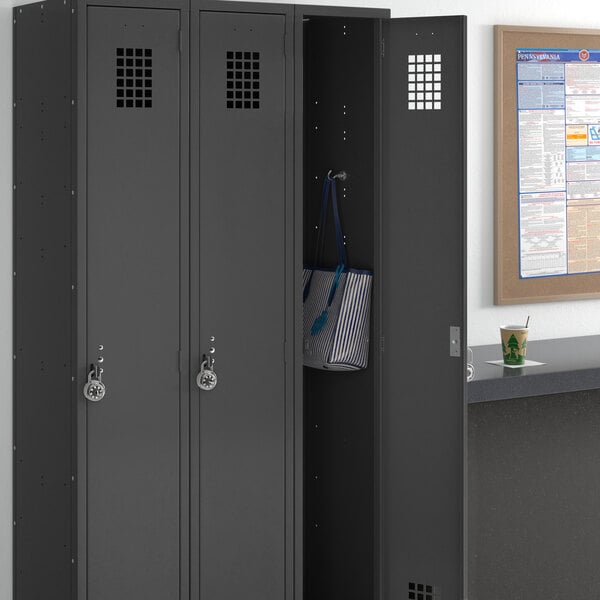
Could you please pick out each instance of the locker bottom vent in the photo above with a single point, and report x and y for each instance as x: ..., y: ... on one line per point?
x: 422, y: 591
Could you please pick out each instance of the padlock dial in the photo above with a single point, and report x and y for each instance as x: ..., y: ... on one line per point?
x: 207, y: 380
x: 94, y: 390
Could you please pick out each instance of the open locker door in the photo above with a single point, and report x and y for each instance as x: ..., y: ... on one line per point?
x: 423, y: 291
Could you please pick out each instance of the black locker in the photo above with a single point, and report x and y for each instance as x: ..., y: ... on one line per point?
x: 239, y: 431
x: 169, y: 158
x: 137, y: 276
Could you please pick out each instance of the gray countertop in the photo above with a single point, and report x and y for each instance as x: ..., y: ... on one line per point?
x: 572, y: 364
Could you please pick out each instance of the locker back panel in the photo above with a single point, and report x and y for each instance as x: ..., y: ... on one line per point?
x: 133, y: 302
x: 339, y: 102
x: 423, y: 295
x: 239, y: 197
x: 43, y: 303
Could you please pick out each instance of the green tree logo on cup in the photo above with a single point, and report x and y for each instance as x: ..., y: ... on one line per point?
x: 514, y: 344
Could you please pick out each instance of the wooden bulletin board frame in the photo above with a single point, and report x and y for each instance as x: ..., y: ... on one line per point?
x: 509, y: 287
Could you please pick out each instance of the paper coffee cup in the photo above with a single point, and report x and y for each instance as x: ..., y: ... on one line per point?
x: 514, y: 343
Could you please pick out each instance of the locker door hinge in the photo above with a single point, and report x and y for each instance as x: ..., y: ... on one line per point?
x: 454, y: 341
x: 180, y: 34
x: 382, y: 344
x: 284, y: 351
x: 382, y: 48
x: 179, y: 360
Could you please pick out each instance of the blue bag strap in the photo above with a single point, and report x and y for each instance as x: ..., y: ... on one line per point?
x: 321, y: 320
x: 339, y: 234
x: 329, y: 186
x: 307, y: 287
x: 322, y: 224
x: 320, y: 243
x: 334, y: 285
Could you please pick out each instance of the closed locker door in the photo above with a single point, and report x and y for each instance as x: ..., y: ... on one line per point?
x: 238, y: 306
x: 133, y: 300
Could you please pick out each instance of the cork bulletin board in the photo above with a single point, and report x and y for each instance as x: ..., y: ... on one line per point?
x: 547, y: 164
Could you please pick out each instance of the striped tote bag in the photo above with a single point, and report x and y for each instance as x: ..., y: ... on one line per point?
x: 337, y: 303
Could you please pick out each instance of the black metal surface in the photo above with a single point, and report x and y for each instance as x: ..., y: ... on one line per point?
x: 43, y: 302
x: 80, y: 268
x: 572, y: 364
x: 242, y: 7
x: 534, y: 531
x: 181, y: 5
x: 339, y: 134
x: 423, y: 295
x: 312, y: 10
x: 242, y: 431
x: 133, y: 299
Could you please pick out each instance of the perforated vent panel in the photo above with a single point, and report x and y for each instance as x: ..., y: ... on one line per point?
x: 424, y: 82
x: 134, y: 77
x: 422, y: 591
x: 243, y: 79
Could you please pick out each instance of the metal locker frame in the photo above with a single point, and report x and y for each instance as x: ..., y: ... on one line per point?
x: 49, y: 69
x: 44, y: 488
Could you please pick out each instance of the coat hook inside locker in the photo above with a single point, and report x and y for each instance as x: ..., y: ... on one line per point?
x: 342, y: 175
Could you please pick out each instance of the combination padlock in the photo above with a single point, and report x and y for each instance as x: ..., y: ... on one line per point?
x: 207, y: 378
x: 94, y: 390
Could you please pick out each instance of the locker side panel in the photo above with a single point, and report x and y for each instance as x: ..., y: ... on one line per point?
x: 423, y: 295
x: 44, y: 527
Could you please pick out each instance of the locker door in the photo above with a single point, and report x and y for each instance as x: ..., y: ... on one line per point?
x: 133, y: 283
x: 238, y: 196
x: 423, y: 237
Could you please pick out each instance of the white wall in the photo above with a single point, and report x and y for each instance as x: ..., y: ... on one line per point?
x: 6, y: 299
x: 548, y: 319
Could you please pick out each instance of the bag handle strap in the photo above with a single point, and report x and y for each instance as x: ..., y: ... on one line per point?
x: 329, y: 188
x: 339, y: 234
x: 321, y: 320
x: 322, y: 224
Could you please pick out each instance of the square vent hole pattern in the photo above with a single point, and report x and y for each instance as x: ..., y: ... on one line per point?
x: 243, y: 80
x: 422, y: 591
x: 134, y: 77
x: 424, y: 82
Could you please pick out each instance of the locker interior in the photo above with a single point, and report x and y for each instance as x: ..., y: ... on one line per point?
x: 340, y: 409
